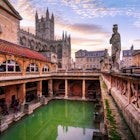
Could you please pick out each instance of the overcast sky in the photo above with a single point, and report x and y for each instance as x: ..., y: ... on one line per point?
x: 89, y: 22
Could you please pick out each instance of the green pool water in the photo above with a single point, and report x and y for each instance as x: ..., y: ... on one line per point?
x: 59, y: 120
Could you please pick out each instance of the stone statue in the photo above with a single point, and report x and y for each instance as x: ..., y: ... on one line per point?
x: 105, y: 61
x: 116, y: 48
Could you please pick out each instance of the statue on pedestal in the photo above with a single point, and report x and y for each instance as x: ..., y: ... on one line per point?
x: 116, y: 48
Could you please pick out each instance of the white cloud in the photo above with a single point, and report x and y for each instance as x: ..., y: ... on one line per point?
x: 83, y: 8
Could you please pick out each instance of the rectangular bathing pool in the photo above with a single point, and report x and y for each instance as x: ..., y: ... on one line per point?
x: 58, y: 120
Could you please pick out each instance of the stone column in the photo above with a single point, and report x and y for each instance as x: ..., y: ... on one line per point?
x: 50, y: 87
x: 22, y: 96
x: 66, y: 88
x: 22, y: 93
x: 83, y: 89
x: 39, y: 88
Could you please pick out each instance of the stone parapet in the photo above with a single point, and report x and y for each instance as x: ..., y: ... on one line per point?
x: 125, y: 90
x: 113, y: 120
x: 131, y: 115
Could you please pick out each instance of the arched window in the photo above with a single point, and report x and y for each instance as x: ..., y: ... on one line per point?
x: 52, y: 49
x: 59, y: 52
x: 45, y: 68
x: 32, y: 44
x: 9, y: 66
x: 59, y: 65
x: 23, y: 41
x: 32, y: 68
x: 44, y: 48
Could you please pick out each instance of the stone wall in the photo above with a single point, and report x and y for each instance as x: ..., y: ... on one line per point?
x: 9, y: 27
x: 130, y: 111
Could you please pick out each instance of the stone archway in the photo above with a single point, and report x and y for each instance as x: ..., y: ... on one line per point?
x: 76, y: 88
x: 93, y: 88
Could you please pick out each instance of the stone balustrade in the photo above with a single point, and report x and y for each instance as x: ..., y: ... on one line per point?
x: 126, y: 92
x: 6, y: 74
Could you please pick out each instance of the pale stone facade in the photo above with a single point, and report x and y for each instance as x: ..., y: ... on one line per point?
x: 127, y: 58
x: 9, y: 22
x: 136, y: 58
x: 130, y: 58
x: 88, y: 59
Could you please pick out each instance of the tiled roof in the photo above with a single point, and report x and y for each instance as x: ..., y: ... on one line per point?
x: 14, y: 49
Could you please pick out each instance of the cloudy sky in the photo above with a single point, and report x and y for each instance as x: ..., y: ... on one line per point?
x: 89, y: 22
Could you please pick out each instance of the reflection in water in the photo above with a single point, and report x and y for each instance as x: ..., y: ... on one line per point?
x: 59, y: 120
x: 74, y: 133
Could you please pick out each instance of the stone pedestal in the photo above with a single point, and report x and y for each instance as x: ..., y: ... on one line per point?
x: 44, y: 100
x: 3, y: 124
x: 28, y: 108
x: 17, y: 117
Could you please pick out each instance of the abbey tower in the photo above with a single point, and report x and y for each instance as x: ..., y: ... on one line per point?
x: 43, y: 41
x: 44, y: 27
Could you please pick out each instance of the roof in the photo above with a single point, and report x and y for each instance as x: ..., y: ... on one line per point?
x: 130, y: 52
x: 136, y: 52
x: 14, y: 49
x: 85, y: 53
x: 7, y: 6
x: 127, y: 53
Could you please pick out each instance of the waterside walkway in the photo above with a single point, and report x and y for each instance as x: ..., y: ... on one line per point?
x: 114, y: 122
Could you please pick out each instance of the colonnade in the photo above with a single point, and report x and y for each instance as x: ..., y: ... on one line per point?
x: 20, y: 90
x: 83, y: 88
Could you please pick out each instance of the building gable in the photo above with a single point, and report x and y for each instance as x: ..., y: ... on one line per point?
x: 5, y: 4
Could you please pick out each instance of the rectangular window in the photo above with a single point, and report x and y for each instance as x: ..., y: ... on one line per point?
x: 32, y: 69
x: 17, y: 68
x: 10, y: 68
x: 2, y: 68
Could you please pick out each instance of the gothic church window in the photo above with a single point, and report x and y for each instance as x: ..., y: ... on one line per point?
x: 59, y: 65
x: 59, y: 52
x: 23, y: 41
x: 44, y: 48
x: 52, y: 48
x: 32, y: 44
